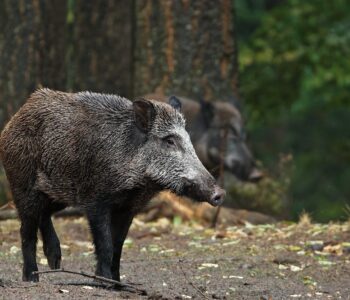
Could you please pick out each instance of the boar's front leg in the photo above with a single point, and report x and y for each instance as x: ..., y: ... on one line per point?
x: 120, y: 223
x: 99, y: 221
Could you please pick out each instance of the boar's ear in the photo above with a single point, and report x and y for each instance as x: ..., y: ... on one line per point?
x: 175, y: 103
x: 207, y: 110
x: 144, y: 114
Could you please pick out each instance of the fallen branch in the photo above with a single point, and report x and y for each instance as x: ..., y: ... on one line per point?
x: 8, y: 205
x: 69, y: 212
x: 82, y: 283
x: 7, y: 214
x: 190, y: 282
x: 111, y: 282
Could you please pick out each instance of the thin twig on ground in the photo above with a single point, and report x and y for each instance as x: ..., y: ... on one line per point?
x: 190, y: 282
x: 83, y: 283
x: 223, y: 145
x: 109, y: 281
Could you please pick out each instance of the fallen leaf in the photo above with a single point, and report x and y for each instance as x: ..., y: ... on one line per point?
x: 294, y: 248
x: 128, y: 243
x: 326, y: 263
x: 14, y: 250
x: 167, y: 251
x: 334, y: 249
x: 309, y: 281
x: 86, y: 287
x: 295, y: 268
x: 208, y: 265
x: 177, y: 220
x: 230, y: 243
x: 282, y: 267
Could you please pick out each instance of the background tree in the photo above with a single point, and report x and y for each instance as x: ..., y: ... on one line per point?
x: 185, y: 48
x: 32, y: 50
x: 100, y: 50
x: 65, y: 45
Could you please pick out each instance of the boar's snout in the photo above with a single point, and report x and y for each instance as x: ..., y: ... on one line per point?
x: 204, y: 190
x: 218, y: 196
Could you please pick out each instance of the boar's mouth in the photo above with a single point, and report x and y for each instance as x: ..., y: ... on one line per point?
x: 213, y: 194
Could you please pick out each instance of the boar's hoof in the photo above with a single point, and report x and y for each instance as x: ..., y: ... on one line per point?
x: 54, y: 261
x: 53, y: 255
x: 104, y: 272
x: 29, y: 276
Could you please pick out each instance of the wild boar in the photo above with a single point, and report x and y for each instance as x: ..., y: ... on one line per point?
x: 102, y: 153
x: 217, y: 129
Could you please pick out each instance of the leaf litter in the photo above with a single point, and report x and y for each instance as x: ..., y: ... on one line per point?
x: 315, y: 258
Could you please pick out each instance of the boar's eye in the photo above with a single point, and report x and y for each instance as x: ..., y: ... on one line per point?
x: 169, y: 140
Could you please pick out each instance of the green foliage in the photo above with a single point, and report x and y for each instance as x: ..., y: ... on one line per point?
x: 295, y: 78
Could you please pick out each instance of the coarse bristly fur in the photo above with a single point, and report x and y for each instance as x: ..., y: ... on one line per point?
x: 103, y: 153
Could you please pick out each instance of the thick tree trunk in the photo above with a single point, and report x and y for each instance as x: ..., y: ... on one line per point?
x: 186, y: 48
x: 66, y: 45
x: 100, y: 50
x: 32, y: 50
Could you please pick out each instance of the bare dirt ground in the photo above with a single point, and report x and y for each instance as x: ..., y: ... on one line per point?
x: 173, y: 260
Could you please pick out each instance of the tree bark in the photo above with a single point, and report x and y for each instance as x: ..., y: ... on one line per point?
x: 186, y: 48
x: 31, y: 50
x: 100, y: 54
x: 65, y: 45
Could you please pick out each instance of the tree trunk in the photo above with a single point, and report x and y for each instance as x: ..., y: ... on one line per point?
x: 31, y: 50
x: 66, y: 45
x: 186, y: 48
x: 100, y: 54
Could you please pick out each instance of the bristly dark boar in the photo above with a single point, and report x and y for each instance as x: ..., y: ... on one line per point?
x: 102, y: 153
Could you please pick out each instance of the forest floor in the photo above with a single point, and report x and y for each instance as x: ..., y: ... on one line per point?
x: 176, y: 260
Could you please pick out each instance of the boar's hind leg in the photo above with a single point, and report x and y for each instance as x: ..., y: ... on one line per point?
x: 120, y: 223
x: 29, y: 209
x: 99, y: 221
x: 51, y: 243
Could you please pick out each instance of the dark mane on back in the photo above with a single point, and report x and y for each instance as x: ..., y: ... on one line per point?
x: 97, y: 101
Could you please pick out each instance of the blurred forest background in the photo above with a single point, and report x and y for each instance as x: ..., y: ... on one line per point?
x: 287, y: 61
x: 295, y: 79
